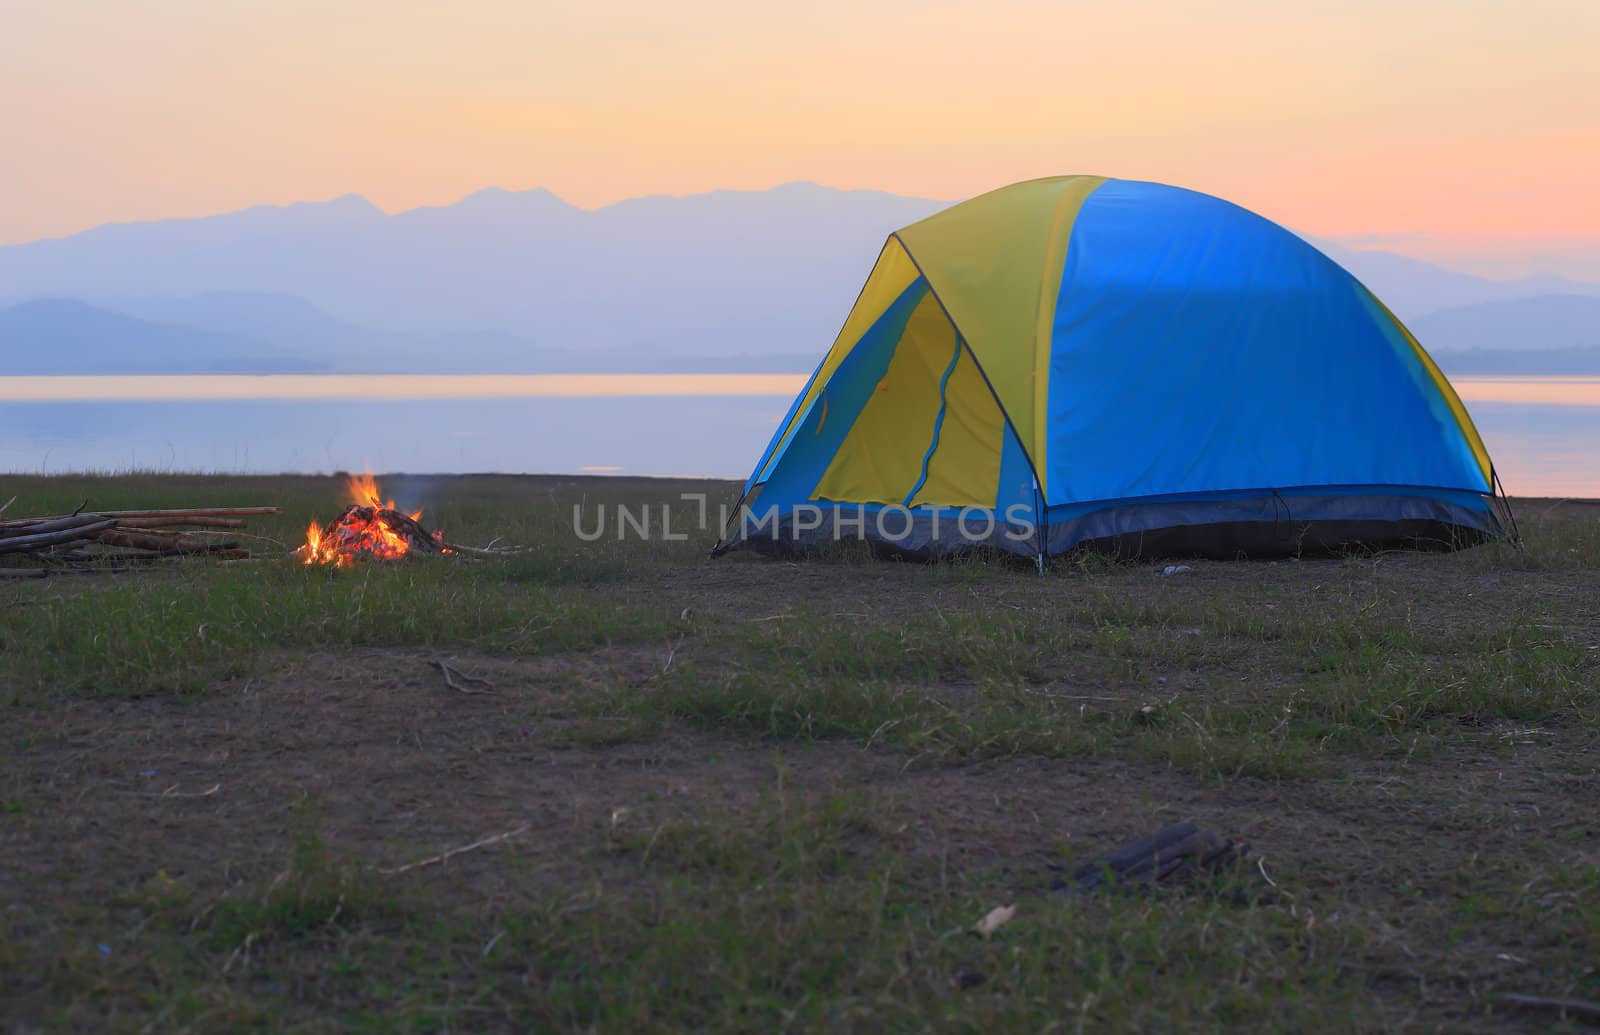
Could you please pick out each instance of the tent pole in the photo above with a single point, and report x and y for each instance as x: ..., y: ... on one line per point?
x: 1505, y: 502
x: 1038, y: 526
x: 717, y: 549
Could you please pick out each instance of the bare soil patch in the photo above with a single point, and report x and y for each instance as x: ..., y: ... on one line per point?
x: 395, y: 768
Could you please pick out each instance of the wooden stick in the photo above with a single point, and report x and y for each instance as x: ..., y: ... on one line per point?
x: 410, y: 528
x: 29, y: 543
x: 135, y: 540
x: 448, y: 671
x: 1572, y: 1007
x: 193, y: 512
x: 474, y: 846
x: 7, y: 504
x: 172, y: 792
x: 235, y: 535
x: 477, y: 552
x: 158, y: 515
x: 52, y: 525
x: 176, y: 522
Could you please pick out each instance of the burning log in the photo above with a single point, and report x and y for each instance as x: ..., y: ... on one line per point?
x: 369, y: 527
x: 380, y: 532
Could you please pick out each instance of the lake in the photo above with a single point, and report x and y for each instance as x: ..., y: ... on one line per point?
x: 1544, y: 432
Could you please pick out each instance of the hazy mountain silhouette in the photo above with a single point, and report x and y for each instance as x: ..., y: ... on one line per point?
x: 522, y: 281
x: 1543, y: 322
x: 1572, y: 362
x: 1413, y: 288
x: 342, y: 347
x: 715, y: 274
x: 65, y: 337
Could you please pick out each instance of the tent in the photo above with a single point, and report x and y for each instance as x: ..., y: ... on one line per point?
x: 1083, y: 360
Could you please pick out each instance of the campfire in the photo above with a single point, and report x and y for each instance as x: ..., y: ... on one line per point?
x: 370, y: 527
x: 104, y: 541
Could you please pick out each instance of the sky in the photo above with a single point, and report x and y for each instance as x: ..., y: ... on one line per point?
x: 1457, y: 130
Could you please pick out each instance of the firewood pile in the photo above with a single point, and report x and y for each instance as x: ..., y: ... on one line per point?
x: 121, y: 540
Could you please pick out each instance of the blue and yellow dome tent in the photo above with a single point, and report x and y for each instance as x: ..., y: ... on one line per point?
x: 1081, y: 360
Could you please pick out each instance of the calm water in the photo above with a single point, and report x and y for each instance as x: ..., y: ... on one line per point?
x: 1543, y: 432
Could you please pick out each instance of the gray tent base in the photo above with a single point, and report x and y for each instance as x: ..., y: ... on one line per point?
x: 1264, y: 528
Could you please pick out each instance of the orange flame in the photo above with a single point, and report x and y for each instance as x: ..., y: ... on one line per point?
x: 319, y: 549
x: 361, y: 529
x: 363, y: 489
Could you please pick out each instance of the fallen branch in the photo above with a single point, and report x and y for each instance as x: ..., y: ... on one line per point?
x: 1571, y: 1007
x: 44, y: 525
x: 173, y: 792
x: 144, y: 535
x: 434, y: 860
x: 23, y: 573
x: 448, y: 671
x: 158, y: 545
x: 30, y: 543
x: 241, y: 535
x: 193, y: 512
x: 484, y: 551
x: 180, y: 522
x: 222, y: 517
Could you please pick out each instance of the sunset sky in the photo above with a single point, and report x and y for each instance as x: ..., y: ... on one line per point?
x: 1453, y: 129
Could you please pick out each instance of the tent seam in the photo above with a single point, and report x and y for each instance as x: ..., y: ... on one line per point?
x: 962, y: 338
x: 938, y: 420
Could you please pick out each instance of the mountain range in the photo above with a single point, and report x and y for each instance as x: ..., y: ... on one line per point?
x: 522, y: 282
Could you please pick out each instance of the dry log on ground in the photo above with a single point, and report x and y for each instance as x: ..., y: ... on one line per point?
x: 179, y: 522
x: 136, y: 540
x: 476, y: 551
x: 1579, y: 1009
x: 32, y: 543
x: 66, y: 541
x: 43, y: 525
x: 193, y: 512
x: 155, y: 518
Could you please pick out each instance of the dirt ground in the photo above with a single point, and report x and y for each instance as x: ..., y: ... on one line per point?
x: 401, y: 768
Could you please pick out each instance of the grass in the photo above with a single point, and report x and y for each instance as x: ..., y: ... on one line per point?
x: 180, y: 634
x: 770, y: 796
x: 789, y: 922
